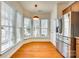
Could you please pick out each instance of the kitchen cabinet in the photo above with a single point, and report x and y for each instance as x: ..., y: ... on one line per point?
x: 72, y: 7
x: 68, y: 9
x: 77, y: 47
x: 75, y: 6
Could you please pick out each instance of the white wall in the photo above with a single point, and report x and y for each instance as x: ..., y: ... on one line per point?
x: 60, y: 8
x: 53, y: 24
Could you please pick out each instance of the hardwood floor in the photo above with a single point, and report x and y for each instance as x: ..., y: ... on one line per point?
x: 37, y: 50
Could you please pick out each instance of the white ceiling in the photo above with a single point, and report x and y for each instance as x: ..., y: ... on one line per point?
x: 43, y: 6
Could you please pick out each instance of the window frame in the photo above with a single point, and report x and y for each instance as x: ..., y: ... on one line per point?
x: 28, y: 36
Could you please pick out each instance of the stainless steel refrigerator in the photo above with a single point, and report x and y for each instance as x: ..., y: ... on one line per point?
x: 69, y: 29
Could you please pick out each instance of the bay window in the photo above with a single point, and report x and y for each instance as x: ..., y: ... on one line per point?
x: 27, y: 27
x: 7, y: 17
x: 36, y: 28
x: 44, y: 27
x: 14, y: 28
x: 19, y: 23
x: 40, y: 28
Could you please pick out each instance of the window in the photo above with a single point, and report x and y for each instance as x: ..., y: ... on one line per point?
x: 19, y: 21
x: 27, y: 27
x: 44, y: 23
x: 36, y: 28
x: 44, y: 27
x: 7, y: 17
x: 40, y: 28
x: 44, y: 32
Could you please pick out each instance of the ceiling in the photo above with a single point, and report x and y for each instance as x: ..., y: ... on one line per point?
x: 42, y: 6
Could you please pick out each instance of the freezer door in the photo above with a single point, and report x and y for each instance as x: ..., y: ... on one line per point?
x: 66, y: 50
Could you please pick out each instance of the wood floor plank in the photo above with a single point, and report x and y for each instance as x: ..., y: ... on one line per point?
x: 37, y: 50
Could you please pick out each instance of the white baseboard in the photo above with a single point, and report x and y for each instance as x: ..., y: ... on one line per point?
x: 53, y: 42
x: 9, y: 53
